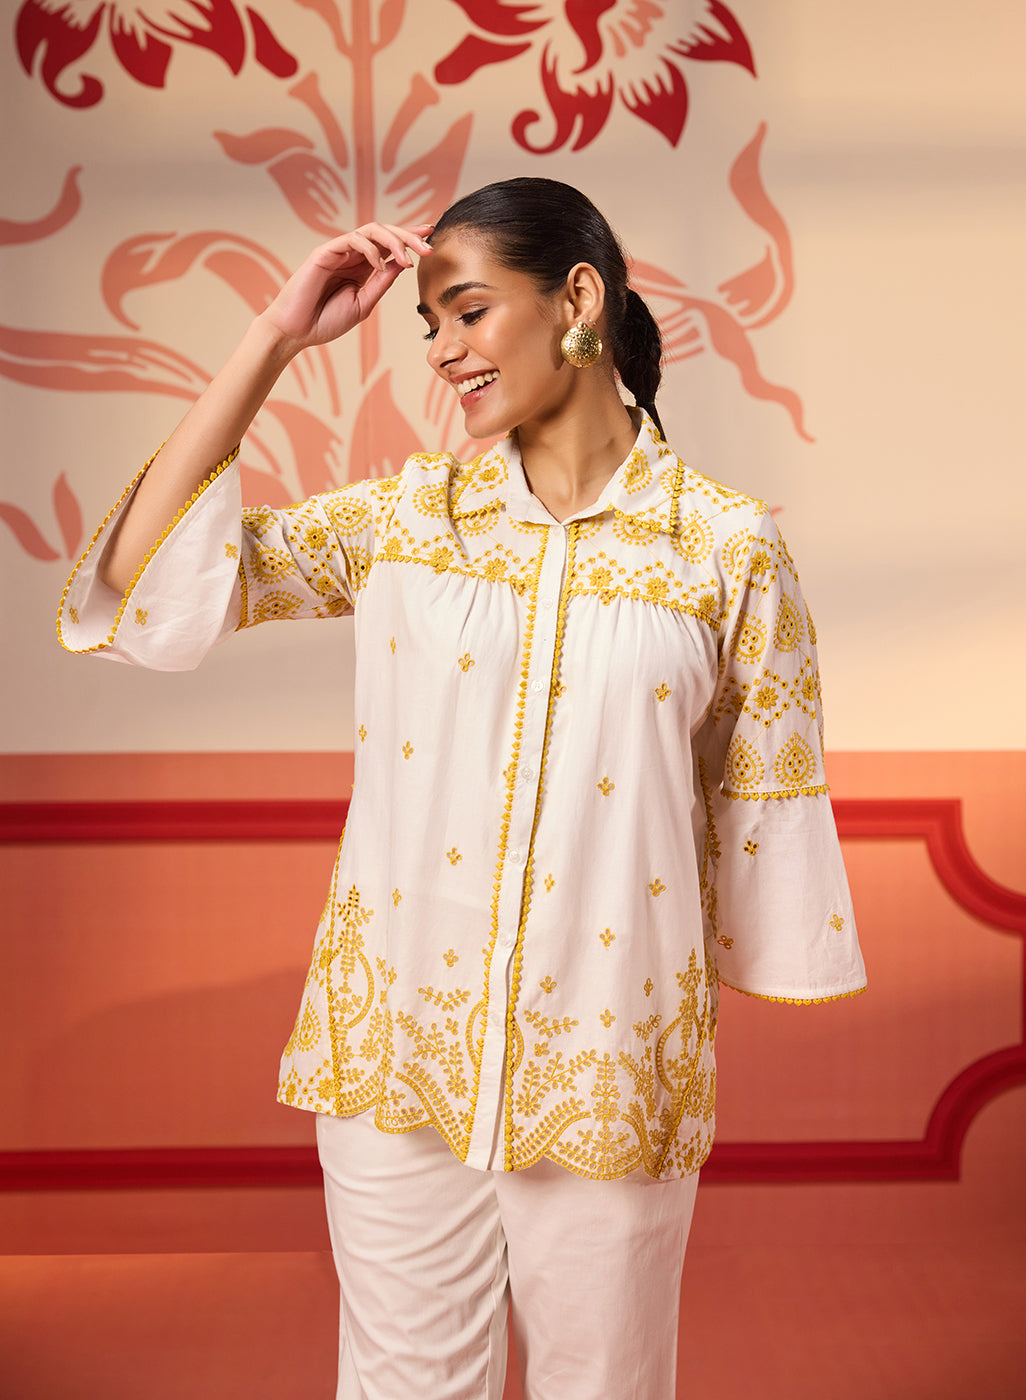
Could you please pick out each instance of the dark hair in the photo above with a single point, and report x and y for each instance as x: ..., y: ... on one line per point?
x: 543, y: 228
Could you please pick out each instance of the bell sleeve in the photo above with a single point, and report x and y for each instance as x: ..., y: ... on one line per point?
x: 777, y: 907
x: 218, y: 568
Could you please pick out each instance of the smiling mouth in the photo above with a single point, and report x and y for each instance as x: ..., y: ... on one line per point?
x: 467, y: 386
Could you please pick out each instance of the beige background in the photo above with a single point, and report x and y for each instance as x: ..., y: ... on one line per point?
x: 894, y: 154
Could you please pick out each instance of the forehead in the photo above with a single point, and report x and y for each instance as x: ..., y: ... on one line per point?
x: 461, y: 257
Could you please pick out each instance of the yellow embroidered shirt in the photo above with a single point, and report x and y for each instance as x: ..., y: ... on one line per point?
x: 589, y: 785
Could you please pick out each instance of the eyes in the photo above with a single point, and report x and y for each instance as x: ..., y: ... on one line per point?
x: 469, y: 318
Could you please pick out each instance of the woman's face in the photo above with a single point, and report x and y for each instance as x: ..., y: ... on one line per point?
x: 487, y: 322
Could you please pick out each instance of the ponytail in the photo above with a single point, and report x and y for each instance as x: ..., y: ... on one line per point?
x: 637, y: 354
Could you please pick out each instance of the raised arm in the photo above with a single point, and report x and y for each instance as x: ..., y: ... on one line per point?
x: 335, y: 289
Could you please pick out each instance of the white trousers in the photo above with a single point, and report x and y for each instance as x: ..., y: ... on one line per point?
x: 430, y: 1251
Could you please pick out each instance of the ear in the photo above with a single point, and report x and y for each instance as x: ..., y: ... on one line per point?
x: 584, y: 295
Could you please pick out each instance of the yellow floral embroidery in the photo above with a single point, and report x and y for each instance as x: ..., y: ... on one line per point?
x: 275, y: 606
x: 348, y: 516
x: 392, y: 645
x: 466, y: 661
x: 605, y: 787
x: 431, y: 499
x: 788, y: 627
x: 708, y: 606
x: 649, y: 986
x: 663, y: 692
x: 231, y: 551
x: 656, y: 887
x: 541, y: 1047
x: 607, y: 1018
x: 453, y: 856
x: 73, y: 614
x: 550, y: 882
x: 396, y: 897
x: 269, y: 565
x: 743, y: 768
x: 309, y: 1029
x: 796, y: 763
x: 407, y: 749
x: 695, y: 539
x: 607, y: 935
x: 451, y: 957
x: 562, y: 1025
x: 727, y: 942
x: 441, y: 559
x: 548, y: 984
x: 631, y: 529
x: 362, y: 733
x: 750, y: 641
x: 765, y: 697
x: 837, y: 922
x: 637, y: 473
x: 750, y: 847
x: 141, y: 615
x: 315, y: 537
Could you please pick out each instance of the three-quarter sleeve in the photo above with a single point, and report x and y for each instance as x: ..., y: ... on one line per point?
x: 777, y: 904
x: 217, y: 568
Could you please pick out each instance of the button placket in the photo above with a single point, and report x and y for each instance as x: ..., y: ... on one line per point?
x: 521, y: 826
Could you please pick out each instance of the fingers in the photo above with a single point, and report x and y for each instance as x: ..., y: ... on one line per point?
x: 378, y: 244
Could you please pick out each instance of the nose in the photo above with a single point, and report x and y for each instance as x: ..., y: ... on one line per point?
x: 446, y: 349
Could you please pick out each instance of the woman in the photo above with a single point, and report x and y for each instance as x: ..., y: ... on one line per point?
x: 588, y: 786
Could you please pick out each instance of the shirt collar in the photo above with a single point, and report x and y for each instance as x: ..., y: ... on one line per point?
x: 645, y: 487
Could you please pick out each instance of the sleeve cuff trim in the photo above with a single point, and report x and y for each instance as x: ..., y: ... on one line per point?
x: 816, y: 791
x: 101, y: 646
x: 796, y: 1001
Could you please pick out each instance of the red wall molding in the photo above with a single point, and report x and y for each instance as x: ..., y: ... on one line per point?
x: 936, y: 1156
x: 33, y: 822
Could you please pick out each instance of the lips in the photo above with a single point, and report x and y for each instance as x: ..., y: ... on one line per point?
x: 476, y: 381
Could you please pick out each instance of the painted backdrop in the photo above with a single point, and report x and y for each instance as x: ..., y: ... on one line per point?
x: 825, y: 204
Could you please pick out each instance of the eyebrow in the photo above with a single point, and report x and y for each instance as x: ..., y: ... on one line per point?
x: 451, y: 293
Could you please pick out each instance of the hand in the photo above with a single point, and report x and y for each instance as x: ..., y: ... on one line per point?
x: 342, y: 281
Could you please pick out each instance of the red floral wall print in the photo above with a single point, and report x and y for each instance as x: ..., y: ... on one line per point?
x: 53, y: 36
x: 341, y: 146
x: 590, y: 52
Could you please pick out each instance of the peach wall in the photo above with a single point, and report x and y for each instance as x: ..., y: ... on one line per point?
x: 131, y: 965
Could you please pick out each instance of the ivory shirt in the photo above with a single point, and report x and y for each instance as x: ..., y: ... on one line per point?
x: 589, y: 786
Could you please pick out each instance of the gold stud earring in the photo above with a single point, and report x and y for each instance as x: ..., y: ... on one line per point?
x: 581, y: 345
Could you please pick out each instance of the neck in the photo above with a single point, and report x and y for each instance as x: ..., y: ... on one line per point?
x: 569, y: 460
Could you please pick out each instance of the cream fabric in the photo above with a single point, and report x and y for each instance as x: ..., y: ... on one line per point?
x: 589, y: 783
x: 429, y: 1251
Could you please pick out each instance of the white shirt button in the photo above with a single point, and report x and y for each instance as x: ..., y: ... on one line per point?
x: 547, y: 603
x: 515, y: 857
x: 528, y: 774
x: 537, y: 686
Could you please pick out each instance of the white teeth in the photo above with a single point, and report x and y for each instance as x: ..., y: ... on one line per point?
x: 478, y: 382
